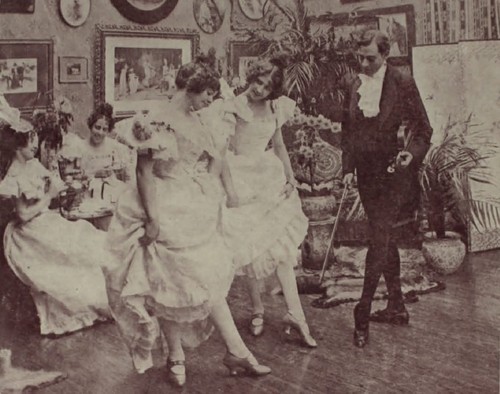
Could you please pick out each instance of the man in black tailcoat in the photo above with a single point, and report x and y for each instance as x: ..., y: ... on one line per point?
x: 381, y: 99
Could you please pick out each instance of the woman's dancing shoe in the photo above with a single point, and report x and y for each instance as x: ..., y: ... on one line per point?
x: 177, y: 372
x: 247, y: 364
x: 291, y: 322
x: 257, y: 324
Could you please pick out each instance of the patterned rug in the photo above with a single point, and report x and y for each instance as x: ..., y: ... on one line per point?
x: 343, y: 282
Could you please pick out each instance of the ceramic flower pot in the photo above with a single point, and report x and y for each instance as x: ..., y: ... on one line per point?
x: 316, y: 243
x: 446, y: 254
x: 319, y: 207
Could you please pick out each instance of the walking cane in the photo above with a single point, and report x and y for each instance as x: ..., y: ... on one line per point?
x: 334, y: 230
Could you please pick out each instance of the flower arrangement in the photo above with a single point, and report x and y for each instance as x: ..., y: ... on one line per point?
x: 316, y: 163
x: 51, y: 125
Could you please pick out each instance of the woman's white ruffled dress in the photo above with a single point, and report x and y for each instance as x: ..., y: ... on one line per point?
x: 59, y: 260
x: 266, y: 228
x: 188, y: 268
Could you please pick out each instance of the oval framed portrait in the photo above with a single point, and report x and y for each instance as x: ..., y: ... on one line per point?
x: 209, y: 14
x: 254, y: 9
x: 145, y: 11
x: 74, y: 12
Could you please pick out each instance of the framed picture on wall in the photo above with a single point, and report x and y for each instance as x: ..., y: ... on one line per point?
x: 397, y: 22
x: 17, y: 6
x: 135, y: 68
x: 241, y: 54
x: 145, y: 11
x: 73, y: 69
x: 26, y: 73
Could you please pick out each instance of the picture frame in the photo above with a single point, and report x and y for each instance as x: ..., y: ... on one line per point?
x: 241, y: 53
x: 135, y: 67
x: 209, y: 14
x: 17, y: 6
x: 398, y: 22
x: 140, y: 12
x: 73, y: 69
x: 74, y: 12
x: 26, y: 74
x: 268, y: 19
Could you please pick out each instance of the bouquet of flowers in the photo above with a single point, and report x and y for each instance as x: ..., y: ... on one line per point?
x: 316, y: 163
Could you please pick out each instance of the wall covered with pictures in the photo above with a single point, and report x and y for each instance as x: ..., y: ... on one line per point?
x: 73, y: 65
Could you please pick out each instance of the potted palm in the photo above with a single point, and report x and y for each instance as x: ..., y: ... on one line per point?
x: 447, y: 172
x: 317, y: 167
x: 317, y: 75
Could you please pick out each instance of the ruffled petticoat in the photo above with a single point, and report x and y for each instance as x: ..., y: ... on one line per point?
x: 61, y: 263
x: 266, y: 228
x: 177, y: 278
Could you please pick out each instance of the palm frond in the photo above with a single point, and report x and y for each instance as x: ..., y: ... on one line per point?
x: 299, y: 75
x: 456, y: 163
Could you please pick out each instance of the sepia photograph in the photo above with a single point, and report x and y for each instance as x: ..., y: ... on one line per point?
x: 250, y: 197
x: 18, y: 76
x: 73, y: 69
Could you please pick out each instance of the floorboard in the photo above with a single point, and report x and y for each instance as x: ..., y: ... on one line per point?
x: 450, y: 346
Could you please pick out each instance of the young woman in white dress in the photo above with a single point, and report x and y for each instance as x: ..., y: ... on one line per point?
x: 172, y: 266
x: 268, y: 226
x: 60, y: 261
x: 102, y: 155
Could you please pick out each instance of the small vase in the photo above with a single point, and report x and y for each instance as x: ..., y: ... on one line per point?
x: 446, y: 254
x: 49, y: 158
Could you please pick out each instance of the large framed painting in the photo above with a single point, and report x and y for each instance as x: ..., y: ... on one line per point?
x: 26, y: 73
x: 241, y: 54
x: 145, y: 11
x: 397, y: 22
x: 135, y: 68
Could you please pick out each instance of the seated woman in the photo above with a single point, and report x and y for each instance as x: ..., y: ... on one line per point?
x: 103, y: 156
x: 60, y: 261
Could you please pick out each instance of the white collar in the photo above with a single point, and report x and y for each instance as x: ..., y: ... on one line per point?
x: 378, y: 76
x: 370, y: 92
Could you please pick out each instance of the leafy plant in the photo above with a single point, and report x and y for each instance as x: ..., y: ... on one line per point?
x: 447, y: 171
x: 53, y: 123
x: 316, y: 75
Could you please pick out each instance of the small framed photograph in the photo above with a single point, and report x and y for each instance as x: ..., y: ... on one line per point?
x: 73, y: 69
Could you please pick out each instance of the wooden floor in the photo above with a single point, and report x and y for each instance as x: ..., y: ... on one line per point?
x: 451, y: 346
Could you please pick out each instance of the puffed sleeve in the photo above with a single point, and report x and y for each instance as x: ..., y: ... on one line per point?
x: 9, y: 187
x: 148, y: 134
x: 284, y: 109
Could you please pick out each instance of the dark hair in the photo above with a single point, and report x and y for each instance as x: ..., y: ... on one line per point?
x: 103, y: 110
x: 275, y: 67
x: 380, y: 38
x: 198, y: 76
x: 10, y: 141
